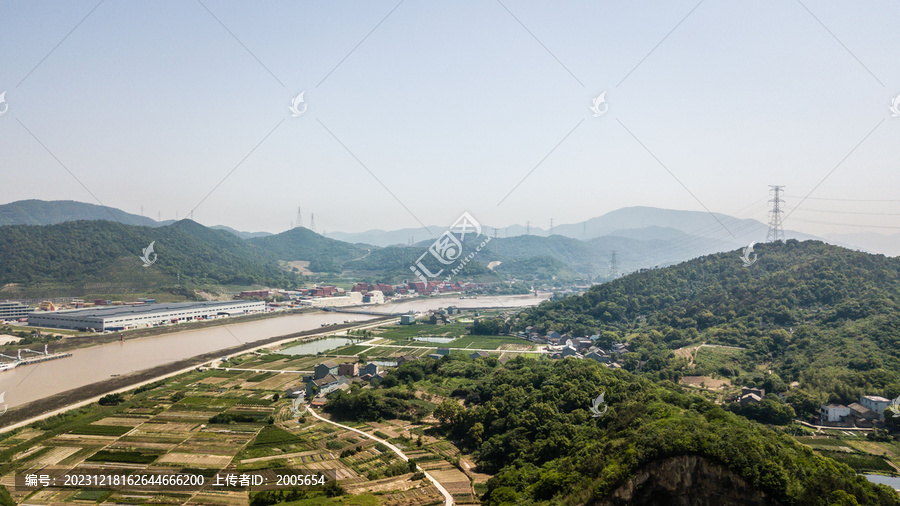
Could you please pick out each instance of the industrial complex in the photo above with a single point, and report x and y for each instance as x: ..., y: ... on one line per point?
x: 114, y: 318
x: 14, y: 310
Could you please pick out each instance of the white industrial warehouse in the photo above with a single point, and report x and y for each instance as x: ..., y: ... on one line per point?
x: 116, y: 318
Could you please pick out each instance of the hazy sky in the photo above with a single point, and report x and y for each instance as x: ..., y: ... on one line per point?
x: 448, y: 106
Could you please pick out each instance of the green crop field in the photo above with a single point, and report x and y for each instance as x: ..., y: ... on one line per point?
x: 353, y: 349
x: 101, y: 430
x: 485, y: 342
x: 127, y: 457
x: 861, y: 463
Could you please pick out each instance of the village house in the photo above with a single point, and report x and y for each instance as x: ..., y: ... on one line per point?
x: 568, y: 351
x: 582, y: 343
x: 864, y: 416
x: 406, y: 358
x: 876, y: 403
x: 603, y: 359
x: 349, y: 370
x: 321, y: 386
x: 324, y: 369
x: 833, y: 413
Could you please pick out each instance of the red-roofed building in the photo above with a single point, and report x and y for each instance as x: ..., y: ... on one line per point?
x: 384, y: 288
x: 361, y: 287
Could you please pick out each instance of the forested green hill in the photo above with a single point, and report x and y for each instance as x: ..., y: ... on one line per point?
x: 821, y: 315
x: 323, y: 254
x: 79, y: 250
x: 529, y: 424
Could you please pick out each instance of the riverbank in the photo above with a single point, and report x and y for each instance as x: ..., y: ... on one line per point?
x: 62, y: 401
x: 86, y: 340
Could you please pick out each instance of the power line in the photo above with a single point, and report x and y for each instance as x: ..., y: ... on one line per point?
x: 848, y: 212
x: 845, y: 224
x: 843, y: 200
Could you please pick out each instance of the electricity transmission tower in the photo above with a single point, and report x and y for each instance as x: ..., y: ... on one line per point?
x: 776, y: 228
x: 299, y: 218
x: 613, y: 266
x: 312, y: 222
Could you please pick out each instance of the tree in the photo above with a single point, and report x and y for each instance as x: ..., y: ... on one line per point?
x: 448, y: 412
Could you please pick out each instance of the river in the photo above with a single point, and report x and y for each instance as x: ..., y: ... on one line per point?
x: 90, y: 365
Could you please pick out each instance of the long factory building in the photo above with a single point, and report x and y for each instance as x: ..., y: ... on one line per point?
x: 114, y: 318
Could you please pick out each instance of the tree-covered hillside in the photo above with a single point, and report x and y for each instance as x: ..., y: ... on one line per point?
x: 823, y: 316
x: 79, y: 250
x: 529, y: 424
x: 323, y: 254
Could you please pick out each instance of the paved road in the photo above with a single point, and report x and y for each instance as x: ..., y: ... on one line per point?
x: 262, y: 370
x: 448, y: 499
x: 806, y: 424
x: 438, y: 345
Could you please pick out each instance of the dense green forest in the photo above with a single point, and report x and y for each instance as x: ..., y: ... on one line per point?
x: 528, y: 423
x: 821, y: 315
x: 102, y: 250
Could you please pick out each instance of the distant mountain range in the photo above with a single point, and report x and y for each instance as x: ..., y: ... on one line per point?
x: 42, y: 212
x: 637, y: 237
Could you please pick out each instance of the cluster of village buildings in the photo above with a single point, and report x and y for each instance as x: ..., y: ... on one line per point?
x: 864, y: 413
x: 329, y: 377
x: 563, y: 346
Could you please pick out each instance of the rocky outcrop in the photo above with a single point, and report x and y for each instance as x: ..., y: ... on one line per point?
x: 686, y: 481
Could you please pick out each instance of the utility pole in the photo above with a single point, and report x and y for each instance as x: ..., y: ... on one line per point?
x: 613, y: 266
x: 776, y: 228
